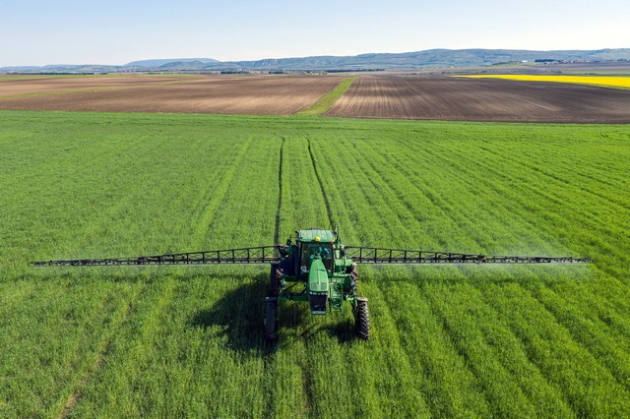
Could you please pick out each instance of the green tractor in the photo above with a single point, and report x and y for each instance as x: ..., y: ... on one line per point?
x: 319, y: 261
x: 316, y: 263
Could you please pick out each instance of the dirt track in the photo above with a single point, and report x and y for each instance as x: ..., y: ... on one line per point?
x: 261, y: 95
x: 458, y: 99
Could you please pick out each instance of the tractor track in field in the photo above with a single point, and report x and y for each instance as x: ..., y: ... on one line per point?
x: 276, y: 236
x: 596, y: 347
x: 207, y: 214
x: 307, y: 375
x: 85, y: 379
x: 321, y: 184
x: 468, y: 358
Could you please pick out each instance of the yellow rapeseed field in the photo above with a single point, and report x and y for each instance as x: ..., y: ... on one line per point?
x: 619, y: 82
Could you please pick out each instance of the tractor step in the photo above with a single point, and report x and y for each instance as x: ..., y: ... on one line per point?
x: 336, y: 297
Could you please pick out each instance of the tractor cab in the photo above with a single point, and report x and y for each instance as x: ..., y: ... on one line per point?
x: 315, y: 244
x: 316, y: 263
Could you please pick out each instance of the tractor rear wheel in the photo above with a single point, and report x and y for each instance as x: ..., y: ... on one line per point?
x: 274, y: 282
x: 271, y: 318
x: 362, y: 319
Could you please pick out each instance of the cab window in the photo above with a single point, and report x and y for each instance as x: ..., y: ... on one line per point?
x: 310, y: 250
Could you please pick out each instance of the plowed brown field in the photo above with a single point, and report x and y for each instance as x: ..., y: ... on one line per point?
x: 457, y: 99
x: 31, y: 85
x: 261, y: 95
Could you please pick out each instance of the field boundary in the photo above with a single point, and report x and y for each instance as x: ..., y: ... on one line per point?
x: 609, y: 82
x: 328, y: 100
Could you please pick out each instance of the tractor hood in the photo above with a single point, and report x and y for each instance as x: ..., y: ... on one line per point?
x: 318, y: 285
x: 317, y: 277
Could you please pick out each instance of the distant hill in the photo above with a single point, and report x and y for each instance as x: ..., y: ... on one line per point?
x: 185, y: 66
x: 424, y: 59
x: 162, y: 61
x: 385, y: 61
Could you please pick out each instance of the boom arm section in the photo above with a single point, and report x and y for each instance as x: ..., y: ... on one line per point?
x: 375, y: 255
x: 246, y: 255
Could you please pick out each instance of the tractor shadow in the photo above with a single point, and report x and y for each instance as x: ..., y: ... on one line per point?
x: 239, y: 316
x: 343, y: 331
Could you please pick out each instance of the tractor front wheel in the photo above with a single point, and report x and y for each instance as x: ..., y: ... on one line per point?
x: 271, y: 318
x: 362, y: 319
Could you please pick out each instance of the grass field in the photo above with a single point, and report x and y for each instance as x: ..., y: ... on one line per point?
x: 470, y: 341
x: 326, y: 101
x: 619, y: 82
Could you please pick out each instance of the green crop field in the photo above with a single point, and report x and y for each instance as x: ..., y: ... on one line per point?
x: 447, y: 341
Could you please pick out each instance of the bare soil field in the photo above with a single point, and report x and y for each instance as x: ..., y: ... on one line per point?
x: 260, y: 95
x: 42, y: 84
x: 457, y: 99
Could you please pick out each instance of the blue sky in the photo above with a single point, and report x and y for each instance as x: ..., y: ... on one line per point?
x: 38, y: 32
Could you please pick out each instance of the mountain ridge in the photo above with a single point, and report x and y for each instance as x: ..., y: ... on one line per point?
x: 438, y: 57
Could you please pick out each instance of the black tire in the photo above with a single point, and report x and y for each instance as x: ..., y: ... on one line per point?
x: 362, y: 319
x: 271, y: 318
x: 274, y: 283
